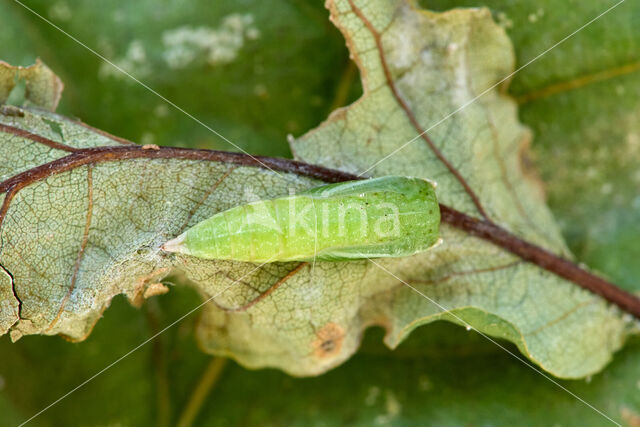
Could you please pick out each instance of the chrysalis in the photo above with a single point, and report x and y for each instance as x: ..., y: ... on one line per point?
x: 390, y: 216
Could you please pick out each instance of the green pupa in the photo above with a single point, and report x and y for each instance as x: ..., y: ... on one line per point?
x: 391, y: 216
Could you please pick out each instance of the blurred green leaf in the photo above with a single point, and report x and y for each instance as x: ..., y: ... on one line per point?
x: 441, y: 375
x: 243, y: 68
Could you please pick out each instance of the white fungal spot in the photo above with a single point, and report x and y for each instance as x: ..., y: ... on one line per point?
x: 187, y: 45
x: 60, y: 11
x: 372, y: 396
x: 460, y: 90
x: 133, y: 62
x: 148, y: 139
x: 468, y: 327
x: 136, y: 52
x: 161, y: 110
x: 253, y: 33
x: 504, y: 21
x: 427, y: 57
x: 404, y: 53
x: 533, y: 17
x: 424, y: 383
x: 392, y: 408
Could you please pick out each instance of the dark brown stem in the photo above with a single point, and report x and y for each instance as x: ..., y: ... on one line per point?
x: 481, y: 228
x: 88, y: 156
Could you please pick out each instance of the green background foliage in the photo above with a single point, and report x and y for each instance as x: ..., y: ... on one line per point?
x: 580, y: 100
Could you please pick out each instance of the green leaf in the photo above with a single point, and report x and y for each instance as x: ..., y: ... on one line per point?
x: 87, y: 225
x: 418, y: 67
x: 592, y: 176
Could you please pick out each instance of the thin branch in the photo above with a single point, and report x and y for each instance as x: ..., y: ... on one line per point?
x: 348, y: 78
x: 159, y: 362
x: 207, y: 382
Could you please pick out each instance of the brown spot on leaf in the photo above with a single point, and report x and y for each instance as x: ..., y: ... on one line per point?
x: 137, y: 297
x: 632, y: 418
x: 328, y: 340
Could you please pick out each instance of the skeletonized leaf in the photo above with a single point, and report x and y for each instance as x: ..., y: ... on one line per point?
x: 42, y: 87
x: 87, y: 226
x: 419, y: 115
x: 8, y: 303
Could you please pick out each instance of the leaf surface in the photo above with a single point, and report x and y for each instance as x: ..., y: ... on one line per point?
x: 105, y: 214
x: 421, y: 75
x: 582, y: 109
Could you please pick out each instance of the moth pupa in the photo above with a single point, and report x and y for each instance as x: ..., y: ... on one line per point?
x: 391, y: 216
